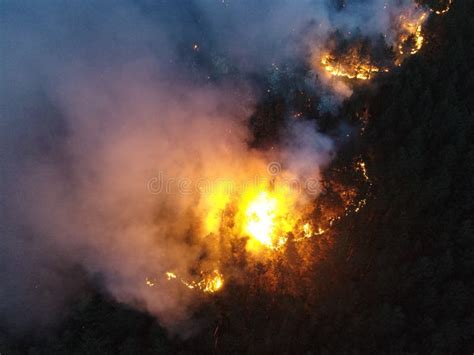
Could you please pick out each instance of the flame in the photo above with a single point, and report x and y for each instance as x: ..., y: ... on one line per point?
x: 411, y: 39
x: 264, y: 212
x: 261, y: 214
x: 268, y: 216
x: 210, y: 283
x: 351, y: 66
x: 170, y: 275
x: 266, y: 219
x: 149, y: 282
x: 408, y: 40
x: 308, y: 230
x: 360, y: 165
x: 217, y: 200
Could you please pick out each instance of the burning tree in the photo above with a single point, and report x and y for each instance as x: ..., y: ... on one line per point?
x: 355, y: 57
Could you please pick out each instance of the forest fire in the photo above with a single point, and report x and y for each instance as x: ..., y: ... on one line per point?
x: 267, y: 218
x: 260, y: 222
x: 263, y: 213
x: 264, y: 216
x: 355, y: 61
x: 410, y: 39
x: 443, y: 10
x: 209, y: 283
x: 350, y: 62
x: 351, y: 66
x: 262, y: 177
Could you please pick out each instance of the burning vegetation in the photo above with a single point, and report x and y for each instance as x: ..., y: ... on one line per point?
x: 352, y: 67
x: 410, y: 38
x: 262, y: 223
x: 440, y: 7
x: 263, y: 226
x: 209, y: 282
x: 247, y: 260
x: 255, y: 224
x: 354, y: 57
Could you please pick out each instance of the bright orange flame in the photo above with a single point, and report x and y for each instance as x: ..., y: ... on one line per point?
x: 260, y: 215
x: 213, y: 283
x: 209, y: 283
x: 265, y: 217
x: 264, y: 212
x: 269, y: 216
x: 149, y: 282
x: 351, y: 66
x: 411, y: 37
x: 217, y: 200
x: 170, y: 275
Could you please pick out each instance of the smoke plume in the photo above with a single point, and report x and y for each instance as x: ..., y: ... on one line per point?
x: 111, y: 113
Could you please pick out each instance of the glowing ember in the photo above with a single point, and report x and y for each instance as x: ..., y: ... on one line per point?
x: 360, y: 204
x: 309, y: 232
x: 149, y: 282
x: 360, y: 165
x: 445, y: 10
x: 170, y: 275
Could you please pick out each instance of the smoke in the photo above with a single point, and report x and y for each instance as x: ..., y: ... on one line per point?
x: 111, y: 113
x: 362, y: 38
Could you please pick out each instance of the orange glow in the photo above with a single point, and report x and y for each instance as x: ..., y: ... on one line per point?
x: 411, y: 39
x: 407, y: 39
x: 209, y: 283
x: 445, y: 9
x: 149, y: 282
x: 351, y: 66
x: 262, y: 212
x: 170, y: 275
x: 266, y: 219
